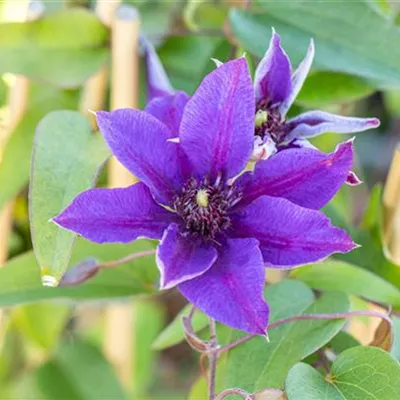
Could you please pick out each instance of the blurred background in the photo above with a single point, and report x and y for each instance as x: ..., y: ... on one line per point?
x: 49, y: 51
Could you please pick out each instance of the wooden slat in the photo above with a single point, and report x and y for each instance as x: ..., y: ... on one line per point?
x: 118, y: 344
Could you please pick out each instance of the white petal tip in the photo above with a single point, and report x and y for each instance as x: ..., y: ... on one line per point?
x: 351, y: 140
x: 173, y: 140
x: 217, y: 62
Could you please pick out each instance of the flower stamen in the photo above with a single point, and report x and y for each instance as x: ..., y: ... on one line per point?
x: 204, y: 207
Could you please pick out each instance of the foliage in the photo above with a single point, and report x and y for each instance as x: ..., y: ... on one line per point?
x: 52, y: 338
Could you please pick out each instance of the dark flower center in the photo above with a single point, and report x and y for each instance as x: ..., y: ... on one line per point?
x: 269, y: 122
x: 204, y: 207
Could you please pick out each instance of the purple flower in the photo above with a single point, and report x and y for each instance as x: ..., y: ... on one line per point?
x: 218, y: 229
x: 276, y: 88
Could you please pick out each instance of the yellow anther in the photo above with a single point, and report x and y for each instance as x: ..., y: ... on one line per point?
x: 261, y: 117
x: 202, y: 198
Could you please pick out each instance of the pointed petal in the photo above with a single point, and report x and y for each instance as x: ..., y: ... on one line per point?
x: 306, y: 177
x: 158, y: 83
x: 231, y: 291
x: 298, y: 78
x: 169, y: 110
x: 217, y: 62
x: 313, y: 123
x: 140, y: 142
x: 181, y: 258
x: 217, y: 127
x: 289, y: 235
x: 353, y: 180
x: 115, y: 215
x: 272, y: 80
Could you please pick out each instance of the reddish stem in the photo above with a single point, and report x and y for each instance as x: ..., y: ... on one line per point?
x: 123, y: 260
x: 280, y: 322
x: 239, y: 392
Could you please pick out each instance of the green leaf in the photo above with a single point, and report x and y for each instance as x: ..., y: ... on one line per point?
x: 178, y: 53
x: 65, y: 162
x: 343, y: 341
x: 366, y: 373
x: 325, y: 88
x: 15, y: 164
x: 42, y: 323
x: 63, y: 48
x: 259, y: 364
x: 395, y: 351
x: 80, y: 372
x: 348, y: 36
x: 173, y: 333
x: 20, y: 280
x: 333, y: 275
x: 156, y: 16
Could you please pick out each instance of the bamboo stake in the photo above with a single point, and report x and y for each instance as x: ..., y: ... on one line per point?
x: 93, y: 98
x: 94, y: 91
x: 391, y: 208
x: 124, y: 76
x: 118, y: 345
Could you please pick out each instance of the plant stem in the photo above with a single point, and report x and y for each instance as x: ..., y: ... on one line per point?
x: 212, y: 357
x: 83, y: 271
x: 123, y: 260
x: 280, y: 322
x: 239, y: 392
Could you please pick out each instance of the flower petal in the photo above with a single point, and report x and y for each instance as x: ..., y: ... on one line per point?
x: 298, y: 78
x: 158, y: 83
x: 231, y: 291
x: 306, y: 177
x: 353, y: 180
x: 217, y: 127
x: 140, y: 142
x: 272, y: 80
x: 181, y: 258
x: 289, y: 235
x: 169, y: 110
x: 116, y: 215
x: 313, y: 123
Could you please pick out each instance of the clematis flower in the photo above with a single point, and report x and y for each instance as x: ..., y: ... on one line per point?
x: 218, y: 227
x: 276, y: 88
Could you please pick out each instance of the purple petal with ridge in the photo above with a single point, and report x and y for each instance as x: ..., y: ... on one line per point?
x: 272, y: 80
x: 116, y: 215
x: 140, y: 142
x: 217, y: 127
x: 289, y: 235
x: 181, y: 258
x: 158, y: 83
x: 298, y: 78
x: 169, y: 110
x: 314, y: 123
x: 231, y: 291
x: 306, y: 177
